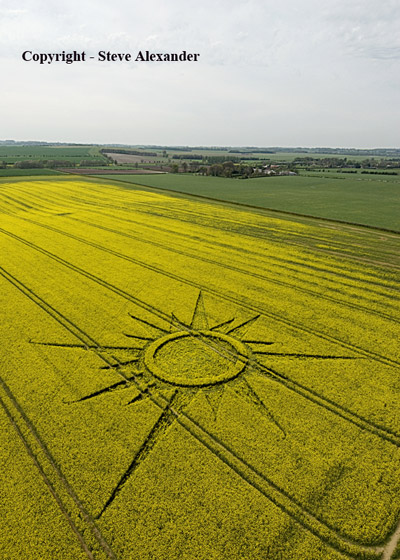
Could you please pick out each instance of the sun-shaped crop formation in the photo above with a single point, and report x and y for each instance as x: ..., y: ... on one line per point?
x: 179, y: 359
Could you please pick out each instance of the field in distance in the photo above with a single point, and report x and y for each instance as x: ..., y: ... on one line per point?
x: 363, y: 199
x: 71, y: 153
x: 187, y: 379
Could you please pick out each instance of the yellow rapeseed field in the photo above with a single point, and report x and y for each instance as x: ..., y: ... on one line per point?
x: 190, y: 380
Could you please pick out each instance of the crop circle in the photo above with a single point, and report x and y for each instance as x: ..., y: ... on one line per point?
x: 197, y: 359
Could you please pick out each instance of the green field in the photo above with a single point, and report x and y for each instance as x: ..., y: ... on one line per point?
x: 72, y: 154
x: 15, y: 172
x: 365, y: 199
x: 183, y: 379
x: 269, y: 153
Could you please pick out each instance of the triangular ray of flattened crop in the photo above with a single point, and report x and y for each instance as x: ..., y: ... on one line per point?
x: 139, y: 397
x: 241, y: 329
x: 85, y: 346
x: 259, y: 342
x: 138, y: 337
x: 177, y: 324
x: 244, y: 389
x: 113, y: 387
x: 300, y: 355
x: 168, y: 415
x: 222, y: 325
x: 199, y: 320
x: 120, y: 364
x: 213, y: 397
x: 148, y: 323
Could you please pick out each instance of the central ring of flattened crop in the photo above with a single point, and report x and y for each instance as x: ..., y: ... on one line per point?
x: 196, y: 359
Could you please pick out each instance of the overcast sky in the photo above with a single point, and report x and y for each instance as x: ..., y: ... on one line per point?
x: 270, y: 72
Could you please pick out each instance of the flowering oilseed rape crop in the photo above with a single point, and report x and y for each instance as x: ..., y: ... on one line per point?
x: 187, y: 379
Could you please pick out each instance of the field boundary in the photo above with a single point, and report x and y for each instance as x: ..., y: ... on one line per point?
x: 252, y: 206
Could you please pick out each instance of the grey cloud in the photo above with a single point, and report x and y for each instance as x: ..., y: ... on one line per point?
x: 270, y: 72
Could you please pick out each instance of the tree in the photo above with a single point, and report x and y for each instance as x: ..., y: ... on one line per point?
x: 228, y: 168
